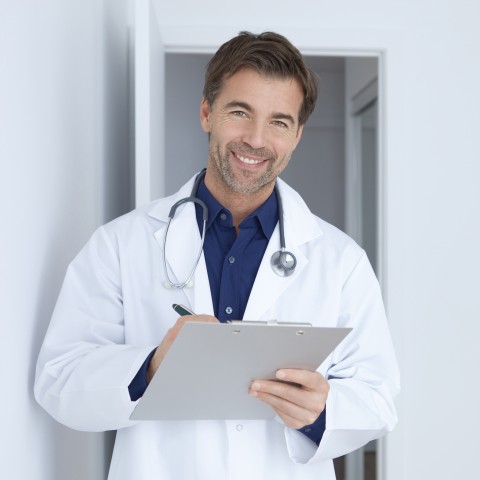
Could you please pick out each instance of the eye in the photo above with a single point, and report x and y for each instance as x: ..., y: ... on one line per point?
x: 239, y: 113
x: 279, y: 123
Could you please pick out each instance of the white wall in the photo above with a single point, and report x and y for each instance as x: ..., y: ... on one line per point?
x: 431, y: 197
x: 64, y: 153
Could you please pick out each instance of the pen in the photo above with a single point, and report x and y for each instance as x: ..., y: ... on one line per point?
x: 182, y: 310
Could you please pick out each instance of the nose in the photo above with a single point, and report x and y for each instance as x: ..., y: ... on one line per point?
x: 255, y: 135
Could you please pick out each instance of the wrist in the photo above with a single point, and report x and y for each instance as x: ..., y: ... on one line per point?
x: 152, y: 366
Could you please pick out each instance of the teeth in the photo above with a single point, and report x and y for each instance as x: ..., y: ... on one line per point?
x: 249, y: 160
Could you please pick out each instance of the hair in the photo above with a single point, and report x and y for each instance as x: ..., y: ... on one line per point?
x: 269, y: 54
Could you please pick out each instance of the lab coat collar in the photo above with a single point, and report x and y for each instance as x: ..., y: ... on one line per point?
x: 160, y: 209
x: 300, y: 224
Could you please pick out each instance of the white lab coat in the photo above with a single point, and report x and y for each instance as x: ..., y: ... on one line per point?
x: 114, y: 309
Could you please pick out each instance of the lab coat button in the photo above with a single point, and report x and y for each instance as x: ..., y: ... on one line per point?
x: 231, y: 259
x: 229, y: 310
x: 223, y: 216
x: 239, y: 427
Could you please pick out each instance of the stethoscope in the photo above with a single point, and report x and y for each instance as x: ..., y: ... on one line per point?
x: 283, y: 262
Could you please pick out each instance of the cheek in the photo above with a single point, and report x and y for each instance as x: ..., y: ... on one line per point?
x: 286, y: 145
x: 224, y: 128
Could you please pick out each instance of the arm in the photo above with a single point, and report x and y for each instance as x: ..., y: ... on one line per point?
x: 143, y: 377
x: 85, y: 367
x: 362, y: 377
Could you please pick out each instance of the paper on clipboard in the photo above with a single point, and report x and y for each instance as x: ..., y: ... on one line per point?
x: 208, y: 370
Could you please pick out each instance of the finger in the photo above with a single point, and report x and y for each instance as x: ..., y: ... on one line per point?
x: 307, y: 379
x: 181, y: 321
x: 202, y: 318
x: 195, y: 318
x: 282, y: 390
x: 291, y: 422
x: 295, y: 415
x: 309, y: 399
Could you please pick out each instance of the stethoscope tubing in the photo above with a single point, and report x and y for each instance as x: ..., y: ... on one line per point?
x: 283, y: 262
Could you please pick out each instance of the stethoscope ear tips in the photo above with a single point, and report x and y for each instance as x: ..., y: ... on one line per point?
x: 283, y: 263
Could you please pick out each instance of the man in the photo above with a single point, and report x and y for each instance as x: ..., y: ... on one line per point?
x: 113, y: 323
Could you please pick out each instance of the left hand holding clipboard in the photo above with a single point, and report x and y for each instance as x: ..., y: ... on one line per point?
x: 299, y: 402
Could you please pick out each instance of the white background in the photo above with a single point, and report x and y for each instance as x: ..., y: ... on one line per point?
x: 64, y: 151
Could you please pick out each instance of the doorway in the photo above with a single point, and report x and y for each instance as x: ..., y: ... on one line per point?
x: 334, y: 168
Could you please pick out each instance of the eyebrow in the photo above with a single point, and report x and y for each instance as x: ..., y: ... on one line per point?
x: 250, y: 109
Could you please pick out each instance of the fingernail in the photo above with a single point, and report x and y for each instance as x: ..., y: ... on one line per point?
x: 255, y: 386
x: 281, y: 374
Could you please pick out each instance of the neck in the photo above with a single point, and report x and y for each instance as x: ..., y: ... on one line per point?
x: 240, y: 205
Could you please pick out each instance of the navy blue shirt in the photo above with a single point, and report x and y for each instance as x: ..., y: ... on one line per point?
x: 233, y: 261
x: 232, y: 264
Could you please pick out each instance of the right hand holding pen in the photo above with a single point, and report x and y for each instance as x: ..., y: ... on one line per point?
x: 170, y: 337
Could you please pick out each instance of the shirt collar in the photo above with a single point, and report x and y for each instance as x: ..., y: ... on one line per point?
x: 214, y: 208
x: 267, y: 213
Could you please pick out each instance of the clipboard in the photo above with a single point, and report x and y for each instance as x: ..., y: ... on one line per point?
x: 208, y: 370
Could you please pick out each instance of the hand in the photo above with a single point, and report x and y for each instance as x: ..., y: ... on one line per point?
x: 170, y: 337
x: 297, y: 405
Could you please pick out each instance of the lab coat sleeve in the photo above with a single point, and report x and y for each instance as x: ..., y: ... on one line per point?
x: 84, y: 367
x: 362, y: 373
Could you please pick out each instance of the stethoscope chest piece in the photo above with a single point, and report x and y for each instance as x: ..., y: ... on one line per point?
x: 283, y: 263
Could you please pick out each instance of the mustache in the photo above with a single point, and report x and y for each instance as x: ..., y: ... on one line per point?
x: 245, y: 149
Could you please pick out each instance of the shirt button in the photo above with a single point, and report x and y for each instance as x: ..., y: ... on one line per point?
x: 229, y: 310
x: 231, y: 259
x: 239, y: 427
x: 223, y: 216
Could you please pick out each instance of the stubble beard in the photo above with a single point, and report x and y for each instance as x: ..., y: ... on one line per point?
x: 245, y: 183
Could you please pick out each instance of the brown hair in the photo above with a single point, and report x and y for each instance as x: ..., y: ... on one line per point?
x: 269, y: 54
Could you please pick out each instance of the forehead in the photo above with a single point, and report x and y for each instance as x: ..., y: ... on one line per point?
x: 263, y: 93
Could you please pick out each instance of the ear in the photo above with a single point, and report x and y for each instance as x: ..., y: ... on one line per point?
x: 205, y: 111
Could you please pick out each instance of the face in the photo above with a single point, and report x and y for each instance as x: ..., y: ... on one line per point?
x: 253, y: 128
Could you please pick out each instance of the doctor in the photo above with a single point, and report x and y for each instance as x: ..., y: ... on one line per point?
x: 113, y: 323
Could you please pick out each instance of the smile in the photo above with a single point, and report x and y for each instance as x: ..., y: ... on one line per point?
x: 249, y: 161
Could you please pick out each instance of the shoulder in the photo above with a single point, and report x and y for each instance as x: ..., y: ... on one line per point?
x: 304, y: 223
x: 148, y: 217
x: 138, y: 226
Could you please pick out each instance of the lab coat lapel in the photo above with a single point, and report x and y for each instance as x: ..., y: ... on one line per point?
x: 300, y: 228
x: 268, y: 285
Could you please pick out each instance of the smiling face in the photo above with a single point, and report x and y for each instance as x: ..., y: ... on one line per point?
x: 253, y: 127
